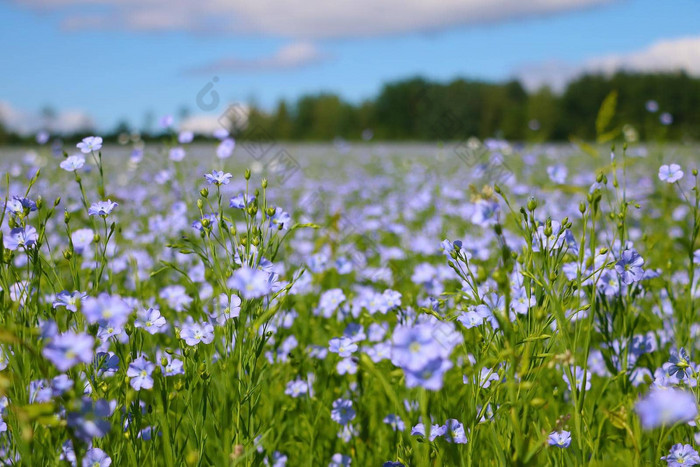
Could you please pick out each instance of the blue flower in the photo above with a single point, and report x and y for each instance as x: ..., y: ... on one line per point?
x: 140, y: 371
x: 21, y: 237
x: 169, y: 365
x: 241, y: 201
x: 177, y: 154
x: 297, y: 388
x: 19, y: 205
x: 194, y: 333
x: 435, y: 431
x: 252, y: 283
x: 346, y: 366
x: 330, y: 300
x: 68, y: 349
x: 185, y: 137
x: 395, y: 422
x: 429, y: 376
x: 682, y: 455
x: 82, y: 238
x: 340, y: 460
x: 218, y: 177
x: 166, y: 121
x: 176, y: 296
x: 70, y: 300
x: 225, y: 148
x: 560, y: 439
x: 150, y: 320
x: 88, y: 421
x: 106, y: 364
x: 342, y: 411
x: 102, y: 208
x: 557, y: 173
x: 72, y: 163
x: 454, y: 432
x: 670, y: 173
x: 90, y: 144
x: 680, y: 362
x: 106, y: 310
x: 449, y: 247
x: 60, y: 385
x: 278, y: 459
x: 578, y: 373
x: 665, y: 407
x: 629, y: 267
x: 414, y: 346
x: 211, y: 218
x: 470, y: 319
x: 280, y: 219
x: 96, y: 457
x: 343, y: 346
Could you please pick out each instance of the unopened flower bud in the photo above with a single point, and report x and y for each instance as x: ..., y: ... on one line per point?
x: 531, y: 204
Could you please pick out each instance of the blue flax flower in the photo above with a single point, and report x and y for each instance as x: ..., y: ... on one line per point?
x: 21, y: 237
x: 680, y: 363
x: 560, y: 439
x: 666, y: 407
x: 102, y: 208
x: 342, y: 411
x: 218, y: 177
x: 68, y: 349
x: 682, y: 455
x: 140, y: 371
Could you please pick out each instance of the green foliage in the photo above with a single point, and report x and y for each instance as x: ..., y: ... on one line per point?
x: 593, y: 108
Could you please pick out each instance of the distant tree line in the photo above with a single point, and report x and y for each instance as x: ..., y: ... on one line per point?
x: 645, y: 106
x: 418, y: 109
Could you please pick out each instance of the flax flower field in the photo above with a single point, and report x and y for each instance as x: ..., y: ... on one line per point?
x: 453, y: 304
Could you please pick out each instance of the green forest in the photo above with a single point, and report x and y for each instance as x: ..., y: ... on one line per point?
x: 419, y: 109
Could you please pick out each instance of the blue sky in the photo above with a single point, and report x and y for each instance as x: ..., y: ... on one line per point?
x: 117, y: 61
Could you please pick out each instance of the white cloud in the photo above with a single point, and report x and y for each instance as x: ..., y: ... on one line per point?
x: 302, y: 19
x: 290, y: 56
x: 204, y: 124
x: 667, y: 55
x: 64, y: 122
